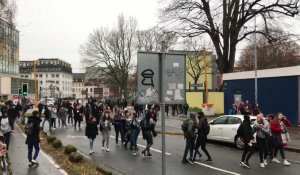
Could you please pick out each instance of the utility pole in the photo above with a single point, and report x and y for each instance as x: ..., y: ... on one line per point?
x: 162, y: 108
x: 205, y: 75
x: 35, y: 85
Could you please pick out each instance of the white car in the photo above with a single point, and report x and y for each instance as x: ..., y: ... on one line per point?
x: 50, y: 101
x: 224, y: 128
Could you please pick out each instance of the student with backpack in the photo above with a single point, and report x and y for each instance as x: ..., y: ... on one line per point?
x: 91, y: 132
x: 189, y: 127
x: 134, y: 133
x: 147, y: 125
x: 32, y: 130
x: 245, y: 131
x: 203, y: 130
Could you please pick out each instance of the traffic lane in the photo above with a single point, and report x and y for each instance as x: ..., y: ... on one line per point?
x: 228, y: 158
x: 123, y: 161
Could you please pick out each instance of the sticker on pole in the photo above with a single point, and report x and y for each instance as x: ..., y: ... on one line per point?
x: 105, y: 92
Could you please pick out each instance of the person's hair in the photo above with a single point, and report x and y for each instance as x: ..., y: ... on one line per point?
x: 134, y: 115
x: 247, y: 118
x: 193, y: 116
x: 35, y: 113
x: 200, y: 114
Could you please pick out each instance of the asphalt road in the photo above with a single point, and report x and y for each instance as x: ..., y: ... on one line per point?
x: 225, y: 157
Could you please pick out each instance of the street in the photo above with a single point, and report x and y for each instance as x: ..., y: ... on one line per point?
x: 225, y: 157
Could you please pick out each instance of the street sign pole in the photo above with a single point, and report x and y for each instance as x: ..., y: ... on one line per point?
x: 162, y: 107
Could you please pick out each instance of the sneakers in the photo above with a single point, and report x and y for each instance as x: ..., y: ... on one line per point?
x: 30, y: 164
x: 107, y: 150
x: 35, y: 162
x: 149, y: 155
x: 245, y: 164
x: 103, y: 148
x: 265, y: 162
x: 275, y: 160
x: 190, y: 161
x: 262, y: 165
x: 134, y: 153
x: 143, y: 153
x: 209, y: 160
x: 91, y: 152
x: 286, y: 163
x: 185, y: 161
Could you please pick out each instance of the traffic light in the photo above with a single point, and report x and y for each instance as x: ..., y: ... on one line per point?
x: 25, y: 89
x: 20, y: 92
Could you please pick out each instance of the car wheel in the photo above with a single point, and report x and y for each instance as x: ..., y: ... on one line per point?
x: 239, y: 143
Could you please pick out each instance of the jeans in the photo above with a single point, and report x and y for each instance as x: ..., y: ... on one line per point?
x: 133, y: 138
x: 281, y: 149
x: 7, y: 139
x: 117, y: 131
x: 201, y: 141
x: 77, y: 121
x: 53, y: 122
x: 189, y: 146
x: 263, y: 148
x: 91, y: 143
x: 30, y: 149
x: 106, y: 135
x: 248, y: 151
x: 70, y: 117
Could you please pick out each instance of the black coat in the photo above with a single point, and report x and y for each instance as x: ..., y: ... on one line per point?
x: 35, y: 136
x: 245, y: 131
x: 91, y: 130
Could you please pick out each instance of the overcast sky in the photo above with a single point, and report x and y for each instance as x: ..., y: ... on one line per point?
x: 56, y: 28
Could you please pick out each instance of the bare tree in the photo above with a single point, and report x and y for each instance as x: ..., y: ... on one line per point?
x: 151, y: 39
x: 195, y: 60
x: 112, y: 48
x: 226, y: 22
x: 8, y: 10
x: 282, y: 52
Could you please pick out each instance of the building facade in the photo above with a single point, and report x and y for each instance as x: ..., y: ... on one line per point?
x: 54, y: 76
x: 78, y: 85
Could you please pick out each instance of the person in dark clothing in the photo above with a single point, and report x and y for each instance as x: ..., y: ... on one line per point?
x: 117, y: 124
x: 77, y: 116
x: 245, y: 131
x: 47, y: 117
x: 18, y: 110
x: 167, y: 109
x: 122, y: 124
x: 6, y: 126
x: 189, y: 136
x: 33, y: 139
x: 40, y: 107
x: 91, y: 131
x: 12, y: 112
x: 70, y: 113
x: 203, y: 131
x: 147, y: 126
x: 134, y: 133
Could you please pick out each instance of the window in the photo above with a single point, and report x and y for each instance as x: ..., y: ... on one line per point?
x: 41, y: 82
x: 57, y: 75
x: 26, y: 76
x: 233, y: 120
x: 91, y: 89
x: 52, y: 75
x: 57, y: 82
x: 221, y: 120
x: 40, y: 75
x: 46, y: 75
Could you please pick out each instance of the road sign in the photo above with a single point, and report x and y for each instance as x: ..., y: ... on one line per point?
x: 105, y: 92
x: 98, y: 91
x: 173, y: 78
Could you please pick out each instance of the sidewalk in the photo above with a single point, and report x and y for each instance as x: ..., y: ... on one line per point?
x: 18, y: 156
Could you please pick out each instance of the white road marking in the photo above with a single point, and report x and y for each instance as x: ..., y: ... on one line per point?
x: 153, y: 149
x: 47, y: 156
x: 218, y: 169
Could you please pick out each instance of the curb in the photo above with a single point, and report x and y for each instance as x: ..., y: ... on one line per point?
x: 292, y: 149
x: 176, y: 133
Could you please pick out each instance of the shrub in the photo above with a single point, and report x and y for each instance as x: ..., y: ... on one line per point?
x: 70, y: 149
x: 56, y: 143
x: 50, y: 138
x: 75, y: 157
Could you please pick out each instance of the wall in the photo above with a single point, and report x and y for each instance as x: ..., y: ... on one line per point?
x: 195, y: 99
x: 276, y: 94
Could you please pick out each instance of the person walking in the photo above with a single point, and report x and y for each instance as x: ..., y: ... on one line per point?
x: 33, y: 138
x: 134, y: 133
x: 47, y: 117
x: 70, y: 113
x: 203, y: 130
x: 62, y: 114
x: 147, y: 126
x: 261, y: 127
x: 91, y: 131
x: 53, y: 116
x: 246, y: 133
x: 117, y: 124
x: 280, y: 137
x: 105, y: 128
x: 77, y: 116
x: 189, y: 127
x: 6, y: 126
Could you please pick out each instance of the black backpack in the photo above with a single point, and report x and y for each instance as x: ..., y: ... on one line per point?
x: 29, y: 128
x: 185, y: 125
x: 206, y: 128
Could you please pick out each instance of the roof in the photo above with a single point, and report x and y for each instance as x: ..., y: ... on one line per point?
x: 266, y: 73
x: 78, y: 76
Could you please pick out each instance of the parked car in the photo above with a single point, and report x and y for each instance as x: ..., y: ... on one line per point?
x: 50, y: 101
x: 224, y: 128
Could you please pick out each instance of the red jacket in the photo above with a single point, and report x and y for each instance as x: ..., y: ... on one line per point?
x: 276, y: 128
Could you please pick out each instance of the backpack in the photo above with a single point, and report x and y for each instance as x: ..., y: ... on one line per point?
x: 185, y: 125
x: 206, y: 128
x: 29, y: 128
